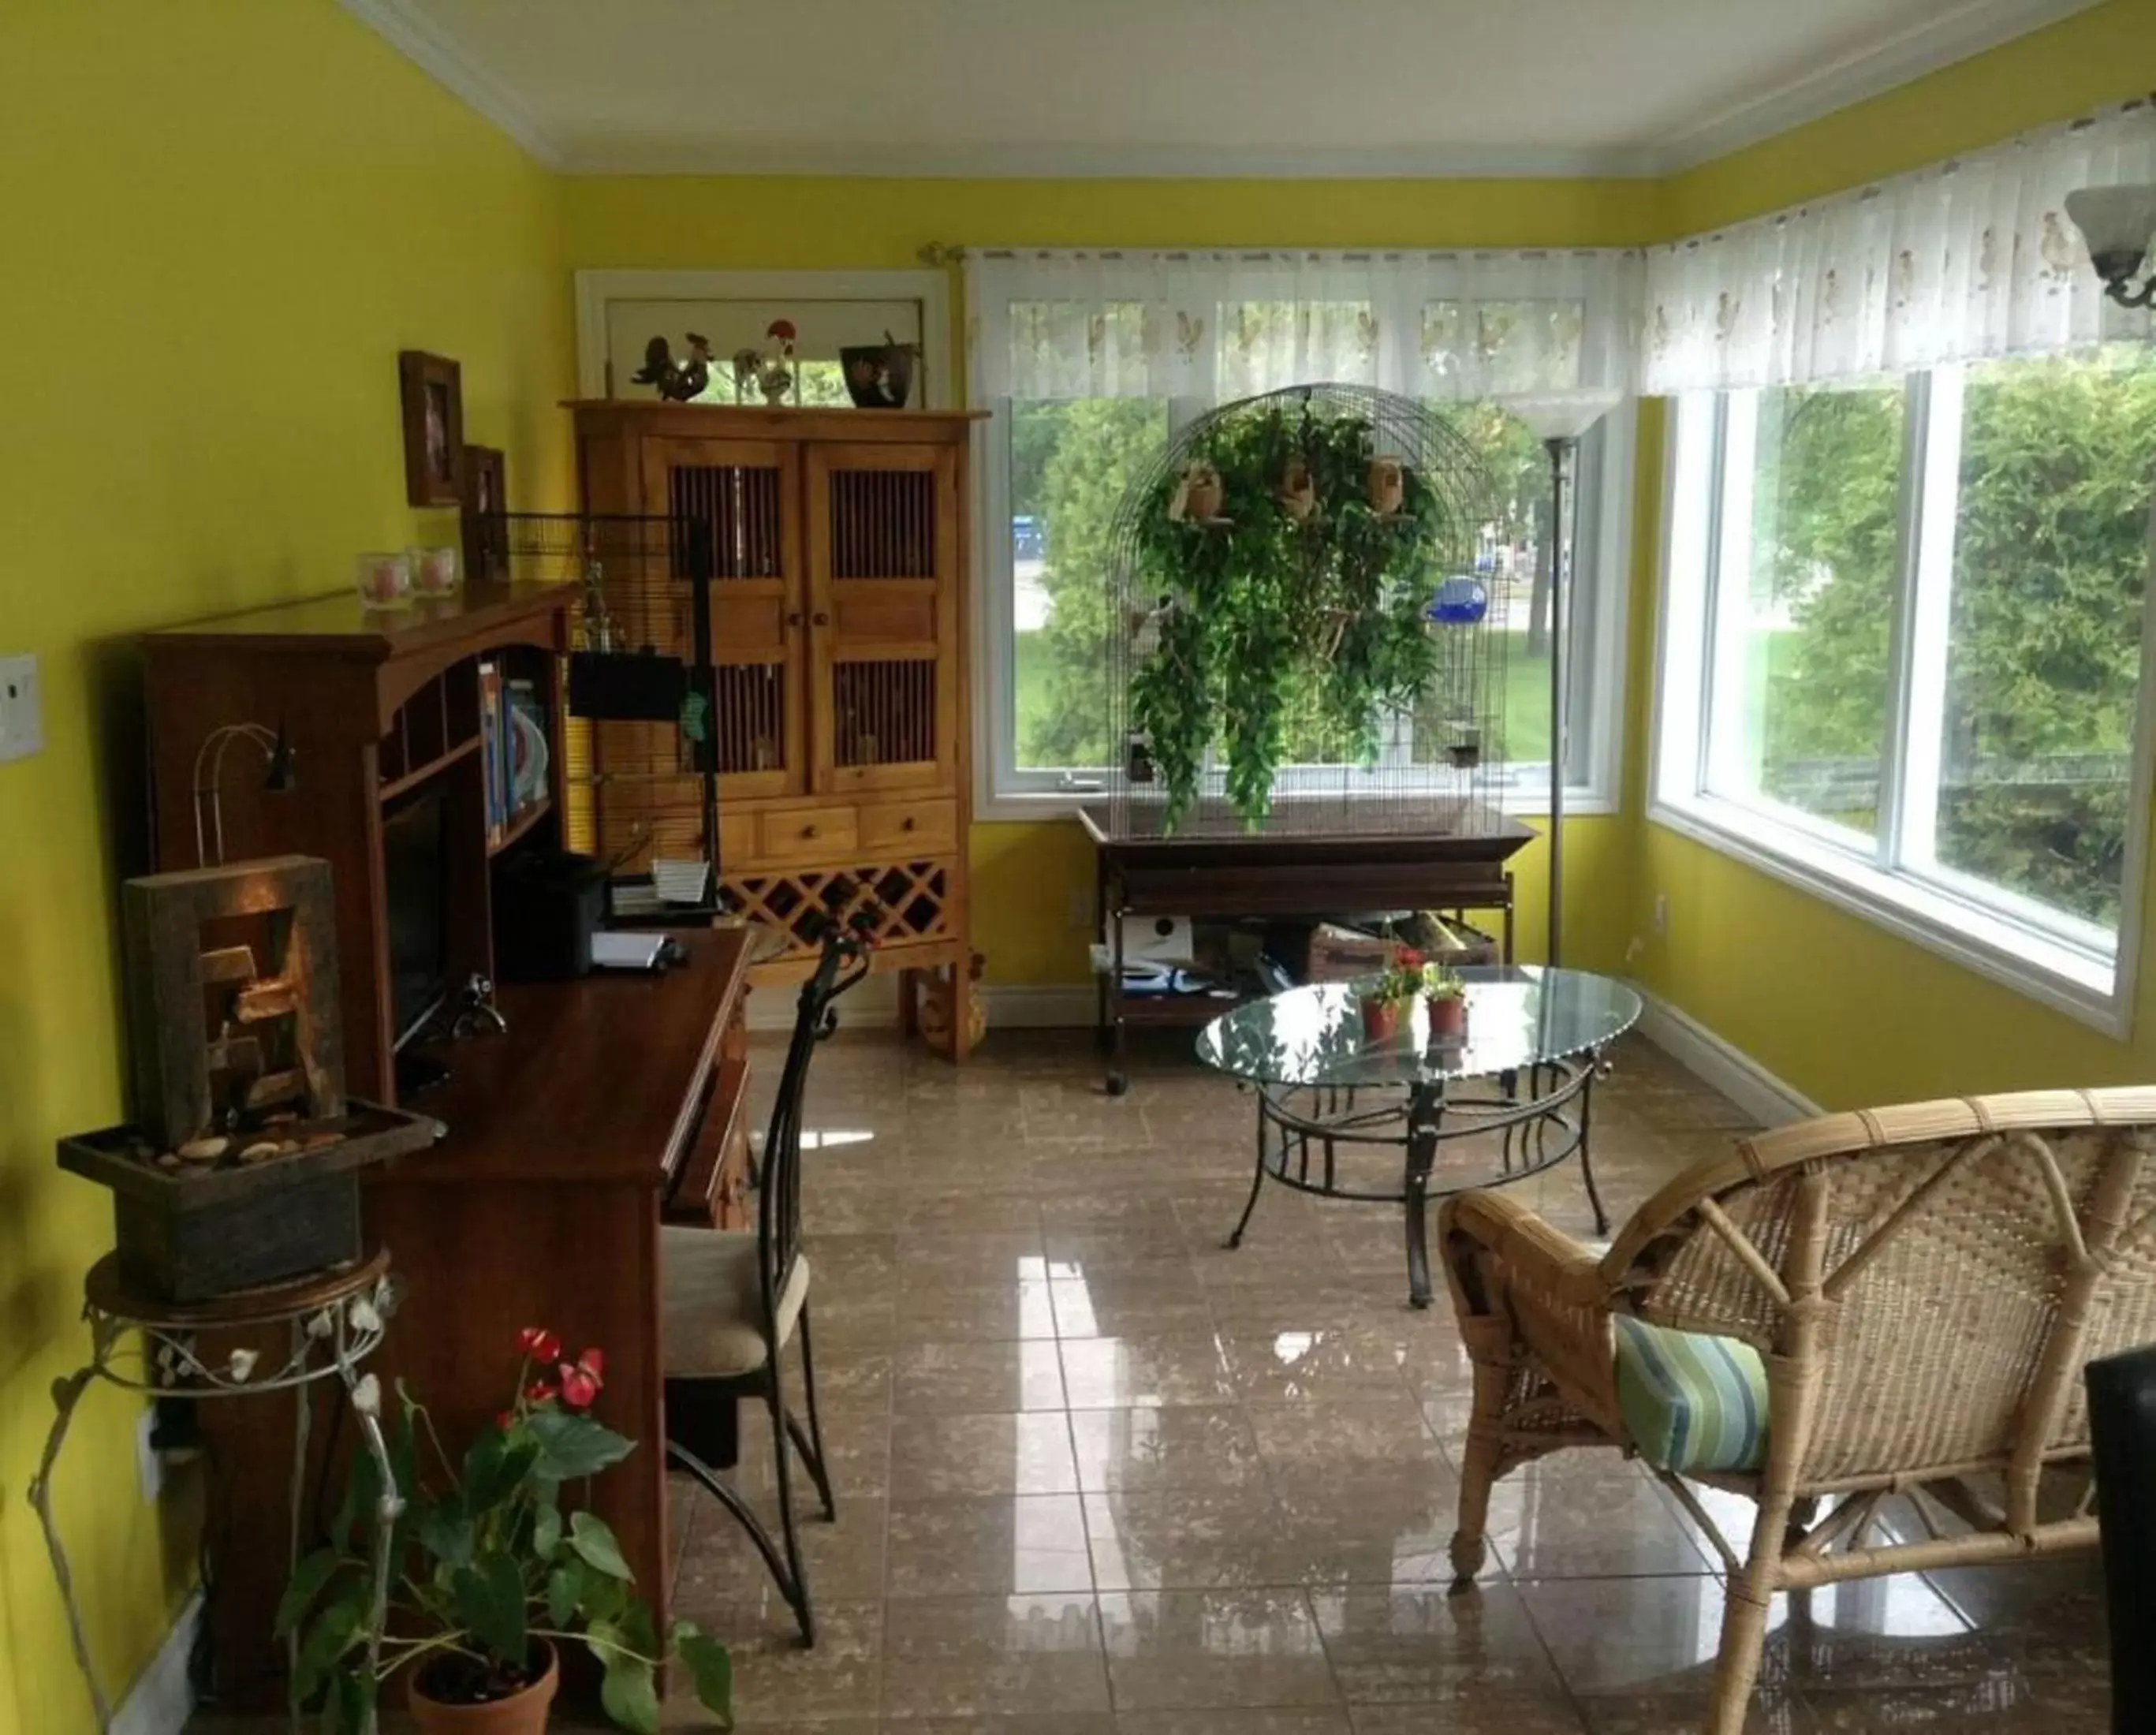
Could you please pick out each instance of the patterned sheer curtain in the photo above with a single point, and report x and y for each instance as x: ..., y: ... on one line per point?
x: 1970, y: 258
x: 1215, y: 326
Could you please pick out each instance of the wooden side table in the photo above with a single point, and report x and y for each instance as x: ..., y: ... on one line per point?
x: 332, y: 1322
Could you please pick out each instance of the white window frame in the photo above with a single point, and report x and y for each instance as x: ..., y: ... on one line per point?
x: 931, y: 289
x: 1003, y: 791
x: 1894, y: 881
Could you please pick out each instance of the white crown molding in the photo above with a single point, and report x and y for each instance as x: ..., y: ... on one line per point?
x: 406, y: 27
x: 1099, y: 163
x: 1954, y: 34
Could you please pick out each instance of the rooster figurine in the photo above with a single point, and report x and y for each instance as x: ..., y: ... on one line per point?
x: 773, y: 375
x: 678, y: 382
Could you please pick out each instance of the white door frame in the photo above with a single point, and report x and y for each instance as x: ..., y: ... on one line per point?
x: 595, y: 289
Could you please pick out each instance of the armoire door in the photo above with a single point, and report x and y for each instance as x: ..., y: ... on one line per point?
x: 883, y: 582
x: 744, y: 492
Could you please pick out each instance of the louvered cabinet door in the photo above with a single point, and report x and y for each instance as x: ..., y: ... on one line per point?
x: 746, y: 495
x: 884, y: 581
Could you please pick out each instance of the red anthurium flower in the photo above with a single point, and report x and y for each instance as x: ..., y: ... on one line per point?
x: 504, y: 1419
x: 539, y: 1343
x: 582, y: 1379
x: 541, y: 1391
x: 1410, y: 959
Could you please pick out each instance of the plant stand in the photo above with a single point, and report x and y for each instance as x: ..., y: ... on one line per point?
x: 332, y: 1323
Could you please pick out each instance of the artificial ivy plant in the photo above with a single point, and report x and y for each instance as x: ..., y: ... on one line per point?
x: 1293, y: 600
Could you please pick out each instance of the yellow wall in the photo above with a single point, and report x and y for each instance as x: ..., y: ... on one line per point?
x: 1829, y: 1002
x: 229, y: 218
x: 241, y: 211
x: 1026, y: 876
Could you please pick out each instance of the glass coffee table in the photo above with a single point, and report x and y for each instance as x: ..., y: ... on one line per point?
x: 1509, y: 1100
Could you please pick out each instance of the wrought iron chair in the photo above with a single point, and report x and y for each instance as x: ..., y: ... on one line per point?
x: 1894, y: 1301
x: 732, y: 1301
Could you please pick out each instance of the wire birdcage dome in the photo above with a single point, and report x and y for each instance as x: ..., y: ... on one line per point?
x: 1304, y: 635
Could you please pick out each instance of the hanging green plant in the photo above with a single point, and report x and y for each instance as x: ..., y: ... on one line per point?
x: 1303, y: 591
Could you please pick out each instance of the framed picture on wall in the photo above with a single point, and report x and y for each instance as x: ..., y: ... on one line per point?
x: 431, y: 391
x: 485, y: 498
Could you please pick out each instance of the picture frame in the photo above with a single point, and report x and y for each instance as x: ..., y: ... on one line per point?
x: 431, y: 391
x: 485, y: 500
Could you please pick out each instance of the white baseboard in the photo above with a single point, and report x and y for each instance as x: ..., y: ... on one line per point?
x: 1731, y: 1071
x: 164, y: 1697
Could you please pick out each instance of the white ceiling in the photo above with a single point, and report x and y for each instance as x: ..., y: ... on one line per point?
x: 1174, y: 87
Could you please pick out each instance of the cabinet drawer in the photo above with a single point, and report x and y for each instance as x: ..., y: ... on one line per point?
x: 736, y: 838
x: 809, y: 833
x: 909, y: 825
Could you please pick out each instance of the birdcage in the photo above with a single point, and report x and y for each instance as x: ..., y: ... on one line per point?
x: 1303, y: 636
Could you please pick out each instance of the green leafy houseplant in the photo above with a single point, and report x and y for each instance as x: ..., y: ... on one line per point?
x: 488, y: 1570
x: 1300, y: 602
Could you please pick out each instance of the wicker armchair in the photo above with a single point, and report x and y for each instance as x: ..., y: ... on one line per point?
x: 1922, y: 1285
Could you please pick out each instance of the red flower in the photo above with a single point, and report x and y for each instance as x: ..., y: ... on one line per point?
x: 541, y: 1391
x: 539, y: 1343
x: 505, y: 1419
x: 583, y: 1379
x: 1410, y: 959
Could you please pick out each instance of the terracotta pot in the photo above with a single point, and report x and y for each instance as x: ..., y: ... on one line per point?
x: 1381, y: 1020
x: 1448, y: 1017
x: 522, y: 1713
x: 1202, y: 493
x: 1388, y: 486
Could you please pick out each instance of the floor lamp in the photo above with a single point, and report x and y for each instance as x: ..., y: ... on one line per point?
x: 1559, y: 420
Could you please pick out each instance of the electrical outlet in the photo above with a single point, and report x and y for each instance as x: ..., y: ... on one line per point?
x: 21, y: 722
x: 149, y: 1465
x: 1661, y: 912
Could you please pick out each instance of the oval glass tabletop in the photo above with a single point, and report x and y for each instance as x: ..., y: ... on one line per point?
x: 1517, y: 1015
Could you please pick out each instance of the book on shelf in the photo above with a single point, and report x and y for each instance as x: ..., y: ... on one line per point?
x: 494, y: 748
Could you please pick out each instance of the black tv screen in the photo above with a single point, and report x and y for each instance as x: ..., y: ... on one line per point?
x: 413, y: 868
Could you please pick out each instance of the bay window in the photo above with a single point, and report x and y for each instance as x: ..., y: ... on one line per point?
x: 1902, y: 650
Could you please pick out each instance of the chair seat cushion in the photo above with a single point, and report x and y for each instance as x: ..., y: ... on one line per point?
x: 1691, y: 1402
x: 711, y: 1303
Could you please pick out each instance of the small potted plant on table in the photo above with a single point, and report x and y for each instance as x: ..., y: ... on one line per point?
x: 1446, y: 992
x: 1386, y: 999
x: 491, y: 1573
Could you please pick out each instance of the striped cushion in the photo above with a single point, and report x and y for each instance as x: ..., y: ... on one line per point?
x: 1690, y: 1401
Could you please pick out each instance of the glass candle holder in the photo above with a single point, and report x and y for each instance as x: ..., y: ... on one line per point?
x: 384, y: 581
x: 434, y: 570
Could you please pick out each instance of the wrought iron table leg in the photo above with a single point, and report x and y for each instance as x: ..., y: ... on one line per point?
x: 1257, y: 1177
x: 1425, y: 1111
x: 66, y: 1395
x: 1594, y: 1066
x: 1119, y: 1077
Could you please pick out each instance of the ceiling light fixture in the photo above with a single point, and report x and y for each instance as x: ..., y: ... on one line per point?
x: 2118, y: 224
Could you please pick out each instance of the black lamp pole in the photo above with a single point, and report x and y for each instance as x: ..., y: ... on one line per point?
x: 1559, y: 449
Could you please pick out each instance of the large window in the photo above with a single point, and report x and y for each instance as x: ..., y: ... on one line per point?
x: 1055, y: 471
x: 1903, y: 646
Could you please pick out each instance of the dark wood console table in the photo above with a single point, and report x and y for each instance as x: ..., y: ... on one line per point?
x: 611, y: 1103
x: 1289, y: 874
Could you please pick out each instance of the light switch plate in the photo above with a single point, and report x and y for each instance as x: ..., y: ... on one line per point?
x: 22, y: 714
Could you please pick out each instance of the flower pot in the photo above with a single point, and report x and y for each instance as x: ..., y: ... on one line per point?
x: 523, y: 1713
x: 1381, y: 1020
x: 1448, y: 1019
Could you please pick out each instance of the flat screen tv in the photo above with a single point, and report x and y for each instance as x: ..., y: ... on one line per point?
x: 414, y: 869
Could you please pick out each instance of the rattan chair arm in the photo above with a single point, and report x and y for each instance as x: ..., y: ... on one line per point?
x: 1535, y: 1254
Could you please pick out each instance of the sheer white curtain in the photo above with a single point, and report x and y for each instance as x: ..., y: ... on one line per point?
x: 1219, y: 325
x: 1966, y: 260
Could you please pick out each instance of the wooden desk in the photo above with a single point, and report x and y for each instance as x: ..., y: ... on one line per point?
x: 611, y: 1101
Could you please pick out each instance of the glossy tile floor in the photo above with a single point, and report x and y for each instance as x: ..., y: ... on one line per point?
x: 1099, y: 1475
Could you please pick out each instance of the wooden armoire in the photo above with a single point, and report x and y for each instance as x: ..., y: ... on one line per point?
x: 841, y: 703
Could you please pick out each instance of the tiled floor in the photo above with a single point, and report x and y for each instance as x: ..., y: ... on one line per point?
x: 1099, y: 1475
